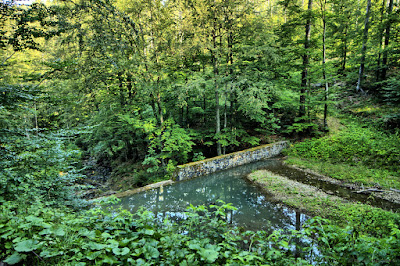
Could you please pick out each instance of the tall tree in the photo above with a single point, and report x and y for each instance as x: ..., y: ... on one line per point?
x: 364, y: 48
x: 306, y: 60
x: 324, y: 18
x: 343, y: 24
x: 380, y: 38
x: 387, y: 40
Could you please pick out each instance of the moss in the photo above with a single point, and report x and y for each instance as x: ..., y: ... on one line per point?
x: 145, y: 188
x: 309, y: 199
x: 228, y: 155
x: 360, y: 174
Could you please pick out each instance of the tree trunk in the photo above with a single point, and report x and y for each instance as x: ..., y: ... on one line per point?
x: 217, y: 119
x: 344, y: 41
x: 306, y: 62
x: 323, y: 9
x: 182, y: 117
x: 380, y: 40
x: 364, y: 48
x: 229, y: 62
x: 160, y: 109
x: 121, y: 89
x: 204, y: 108
x: 344, y: 53
x: 129, y: 86
x: 387, y: 38
x: 187, y: 125
x: 36, y: 120
x: 225, y: 122
x: 215, y: 66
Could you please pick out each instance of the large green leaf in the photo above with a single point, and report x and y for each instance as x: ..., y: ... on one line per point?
x: 210, y: 255
x: 56, y: 231
x: 13, y: 259
x: 96, y: 246
x: 121, y: 251
x: 26, y: 245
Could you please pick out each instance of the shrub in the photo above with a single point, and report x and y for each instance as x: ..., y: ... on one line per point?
x: 354, y: 145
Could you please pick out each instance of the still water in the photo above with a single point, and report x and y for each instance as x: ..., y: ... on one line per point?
x: 254, y: 211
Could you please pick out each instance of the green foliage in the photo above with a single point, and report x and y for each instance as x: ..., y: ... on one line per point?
x: 44, y: 235
x: 236, y: 137
x: 391, y: 90
x: 169, y: 145
x: 354, y: 145
x: 305, y: 128
x: 19, y: 26
x: 117, y: 136
x: 143, y: 76
x: 43, y: 167
x: 346, y: 246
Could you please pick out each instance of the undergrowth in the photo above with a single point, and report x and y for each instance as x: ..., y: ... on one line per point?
x: 42, y: 235
x: 361, y: 174
x: 356, y: 153
x: 365, y: 218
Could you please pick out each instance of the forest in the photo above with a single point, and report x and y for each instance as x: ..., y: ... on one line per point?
x: 133, y: 88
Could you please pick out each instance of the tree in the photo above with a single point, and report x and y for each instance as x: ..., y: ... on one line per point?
x: 387, y: 40
x: 364, y: 48
x: 343, y: 31
x: 306, y: 61
x: 323, y: 13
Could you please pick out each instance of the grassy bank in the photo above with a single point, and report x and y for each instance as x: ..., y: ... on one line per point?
x: 368, y: 219
x: 355, y: 153
x: 360, y: 174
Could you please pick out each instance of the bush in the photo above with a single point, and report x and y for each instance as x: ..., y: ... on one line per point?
x: 43, y: 235
x: 42, y: 168
x: 346, y: 246
x: 354, y: 145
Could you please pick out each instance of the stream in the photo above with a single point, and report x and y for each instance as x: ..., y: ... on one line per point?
x: 255, y: 209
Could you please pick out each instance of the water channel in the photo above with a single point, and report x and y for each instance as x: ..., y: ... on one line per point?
x: 255, y: 211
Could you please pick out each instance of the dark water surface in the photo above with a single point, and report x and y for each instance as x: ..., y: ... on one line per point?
x: 255, y: 211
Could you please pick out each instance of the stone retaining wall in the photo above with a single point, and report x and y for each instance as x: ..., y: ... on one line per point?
x: 211, y: 165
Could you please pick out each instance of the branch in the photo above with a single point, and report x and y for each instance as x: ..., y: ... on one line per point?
x: 2, y: 64
x: 369, y: 190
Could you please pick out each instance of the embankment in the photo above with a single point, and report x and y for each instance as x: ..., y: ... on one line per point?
x: 211, y: 165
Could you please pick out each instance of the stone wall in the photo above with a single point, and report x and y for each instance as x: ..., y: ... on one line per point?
x: 211, y: 165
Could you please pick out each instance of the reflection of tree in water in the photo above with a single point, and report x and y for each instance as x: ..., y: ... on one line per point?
x: 254, y: 210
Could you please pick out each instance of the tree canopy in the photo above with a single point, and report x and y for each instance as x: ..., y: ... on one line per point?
x: 157, y: 83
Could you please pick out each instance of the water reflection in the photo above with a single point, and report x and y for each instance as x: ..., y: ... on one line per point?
x: 255, y: 211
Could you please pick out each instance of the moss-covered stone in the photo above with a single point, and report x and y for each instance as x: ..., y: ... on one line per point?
x: 211, y: 165
x: 140, y: 189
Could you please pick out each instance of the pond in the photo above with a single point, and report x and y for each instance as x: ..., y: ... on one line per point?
x: 255, y: 210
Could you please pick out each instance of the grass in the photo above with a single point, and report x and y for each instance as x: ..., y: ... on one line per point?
x: 315, y: 202
x: 359, y: 174
x: 296, y: 194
